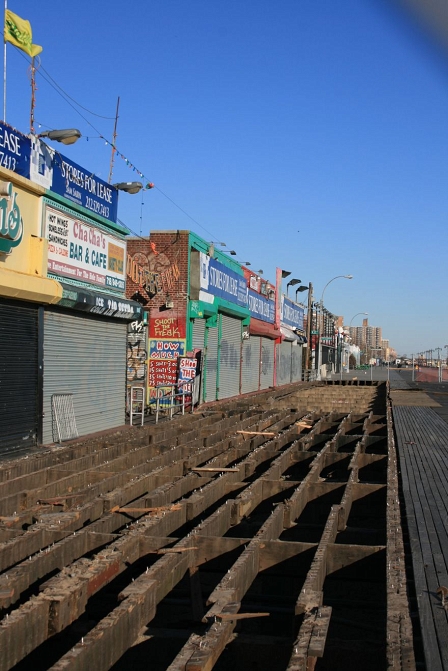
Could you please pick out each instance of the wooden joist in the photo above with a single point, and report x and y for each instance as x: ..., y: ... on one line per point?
x: 257, y: 433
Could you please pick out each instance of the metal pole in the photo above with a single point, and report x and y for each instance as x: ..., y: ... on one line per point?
x: 4, y: 69
x: 413, y: 375
x: 319, y: 352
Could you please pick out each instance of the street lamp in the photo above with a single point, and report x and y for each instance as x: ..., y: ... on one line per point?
x: 291, y: 283
x: 302, y: 288
x: 321, y: 304
x: 66, y: 136
x: 358, y: 313
x: 129, y: 187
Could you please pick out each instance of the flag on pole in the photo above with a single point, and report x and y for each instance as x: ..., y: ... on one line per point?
x: 18, y: 32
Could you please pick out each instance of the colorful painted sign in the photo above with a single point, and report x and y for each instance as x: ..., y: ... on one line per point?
x: 83, y: 252
x: 168, y: 327
x: 166, y: 349
x: 218, y: 280
x: 291, y: 314
x: 261, y: 307
x: 162, y: 372
x: 186, y: 373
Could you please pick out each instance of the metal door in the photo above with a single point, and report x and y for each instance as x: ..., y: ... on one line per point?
x: 19, y: 413
x: 86, y: 357
x: 229, y: 357
x: 296, y: 372
x: 250, y: 364
x: 198, y: 334
x: 211, y: 363
x: 284, y: 363
x: 267, y: 363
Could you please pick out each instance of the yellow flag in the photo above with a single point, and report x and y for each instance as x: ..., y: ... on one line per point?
x: 18, y: 32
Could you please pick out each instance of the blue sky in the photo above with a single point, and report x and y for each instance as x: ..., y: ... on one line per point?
x: 306, y: 134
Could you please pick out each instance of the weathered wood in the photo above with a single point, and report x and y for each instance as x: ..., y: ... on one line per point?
x: 226, y: 617
x: 257, y: 433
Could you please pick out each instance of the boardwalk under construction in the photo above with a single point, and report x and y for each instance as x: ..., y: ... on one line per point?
x: 264, y: 533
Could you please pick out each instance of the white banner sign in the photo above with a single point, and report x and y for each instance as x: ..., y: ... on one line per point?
x: 83, y: 252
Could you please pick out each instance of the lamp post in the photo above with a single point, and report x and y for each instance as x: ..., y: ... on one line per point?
x: 321, y: 305
x: 291, y: 283
x: 358, y: 313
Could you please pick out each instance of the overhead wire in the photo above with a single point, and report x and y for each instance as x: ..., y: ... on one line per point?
x: 49, y: 79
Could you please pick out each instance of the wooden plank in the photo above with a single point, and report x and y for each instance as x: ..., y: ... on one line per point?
x: 227, y: 617
x: 215, y: 470
x: 319, y: 632
x: 258, y: 433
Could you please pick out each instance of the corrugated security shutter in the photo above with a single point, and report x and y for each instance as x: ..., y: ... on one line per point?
x: 296, y: 375
x: 18, y: 377
x: 198, y: 334
x: 284, y: 363
x: 211, y: 363
x: 85, y: 357
x: 229, y: 357
x: 197, y: 342
x: 250, y: 365
x: 267, y: 363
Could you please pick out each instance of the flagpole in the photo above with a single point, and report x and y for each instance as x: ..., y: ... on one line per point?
x: 33, y: 92
x: 4, y: 65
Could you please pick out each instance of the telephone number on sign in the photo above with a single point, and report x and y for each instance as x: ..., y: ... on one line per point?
x: 97, y: 207
x: 7, y: 161
x: 113, y: 282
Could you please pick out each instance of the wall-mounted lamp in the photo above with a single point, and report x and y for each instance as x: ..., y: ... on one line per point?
x: 129, y: 187
x: 232, y: 252
x: 285, y: 273
x: 66, y: 136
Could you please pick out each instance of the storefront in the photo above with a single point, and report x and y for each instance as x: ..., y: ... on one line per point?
x: 218, y: 316
x: 24, y: 290
x: 258, y: 355
x: 290, y: 349
x: 85, y: 336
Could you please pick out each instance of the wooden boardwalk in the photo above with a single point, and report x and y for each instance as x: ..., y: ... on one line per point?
x: 422, y: 443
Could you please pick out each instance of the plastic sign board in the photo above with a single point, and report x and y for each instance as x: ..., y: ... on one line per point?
x: 291, y: 314
x: 218, y: 280
x: 83, y: 252
x: 15, y: 149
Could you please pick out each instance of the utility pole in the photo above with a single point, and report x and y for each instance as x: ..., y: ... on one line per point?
x: 309, y: 322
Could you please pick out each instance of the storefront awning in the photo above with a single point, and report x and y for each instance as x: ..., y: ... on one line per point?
x: 291, y: 336
x: 98, y: 303
x: 261, y: 328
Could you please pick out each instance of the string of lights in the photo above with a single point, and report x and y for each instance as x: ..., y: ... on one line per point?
x: 147, y: 183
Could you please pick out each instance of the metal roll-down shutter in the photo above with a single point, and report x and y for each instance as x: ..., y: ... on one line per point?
x: 229, y: 357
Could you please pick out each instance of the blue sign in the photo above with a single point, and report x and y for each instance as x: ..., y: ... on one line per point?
x: 261, y: 307
x: 220, y: 281
x: 59, y: 174
x: 291, y: 314
x: 15, y: 150
x: 30, y: 157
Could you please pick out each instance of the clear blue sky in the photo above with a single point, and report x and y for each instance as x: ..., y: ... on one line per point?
x: 306, y: 134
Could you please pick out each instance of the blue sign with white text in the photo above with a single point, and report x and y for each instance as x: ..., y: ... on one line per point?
x: 261, y: 307
x: 15, y: 150
x: 218, y: 280
x: 291, y: 314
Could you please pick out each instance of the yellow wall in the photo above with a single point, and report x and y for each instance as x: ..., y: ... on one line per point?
x: 23, y: 272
